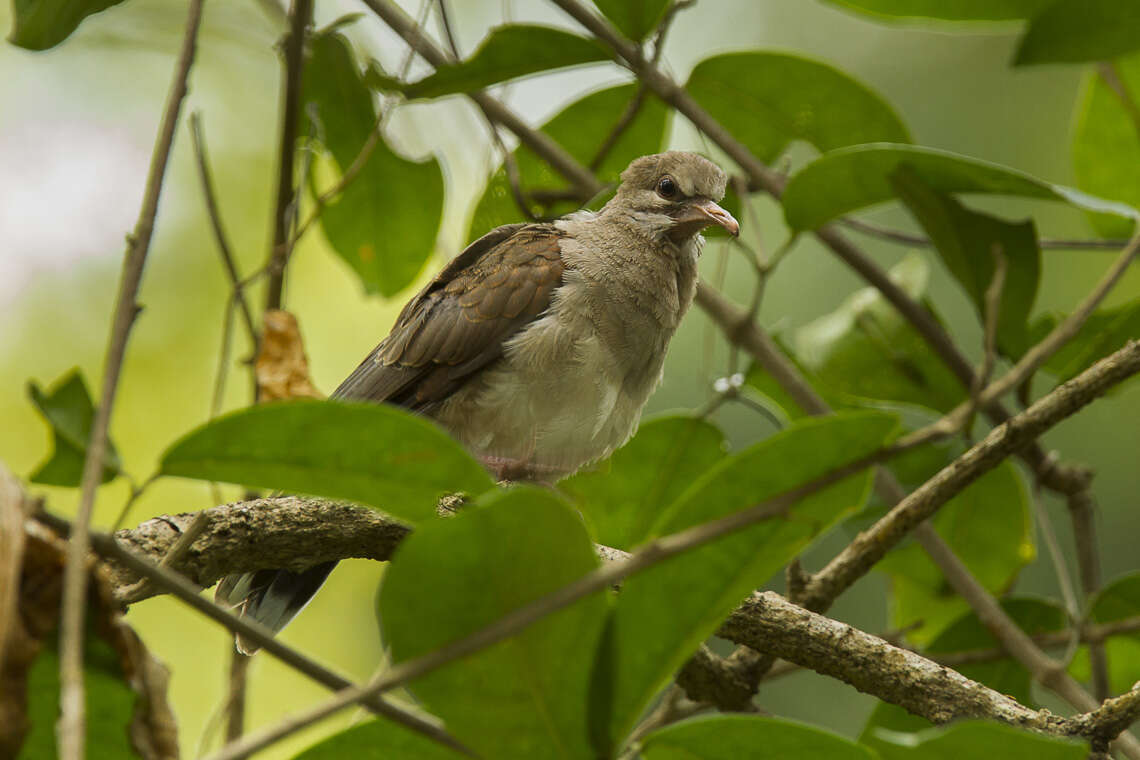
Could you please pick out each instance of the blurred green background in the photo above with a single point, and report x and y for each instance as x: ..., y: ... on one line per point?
x: 76, y: 130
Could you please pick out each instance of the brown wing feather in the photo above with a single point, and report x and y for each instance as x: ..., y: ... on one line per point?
x: 458, y: 323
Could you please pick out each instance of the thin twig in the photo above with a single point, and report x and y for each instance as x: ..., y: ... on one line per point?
x: 912, y: 239
x: 71, y: 727
x: 1057, y: 558
x: 992, y: 317
x: 300, y: 17
x: 375, y: 136
x: 197, y: 527
x: 1110, y: 74
x: 1082, y: 514
x: 224, y: 249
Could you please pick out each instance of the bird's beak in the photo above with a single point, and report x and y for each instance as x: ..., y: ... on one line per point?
x: 708, y: 212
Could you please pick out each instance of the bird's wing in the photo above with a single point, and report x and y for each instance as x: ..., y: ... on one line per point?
x: 458, y: 323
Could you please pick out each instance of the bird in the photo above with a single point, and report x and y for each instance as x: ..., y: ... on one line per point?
x: 539, y: 344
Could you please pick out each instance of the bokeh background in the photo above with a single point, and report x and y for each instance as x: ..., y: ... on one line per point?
x: 76, y: 130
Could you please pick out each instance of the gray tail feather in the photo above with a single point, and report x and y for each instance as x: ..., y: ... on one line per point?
x: 271, y: 597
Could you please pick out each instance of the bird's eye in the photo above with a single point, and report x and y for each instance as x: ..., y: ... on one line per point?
x: 666, y: 187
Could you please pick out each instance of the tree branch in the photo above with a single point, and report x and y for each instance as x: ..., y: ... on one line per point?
x: 71, y: 727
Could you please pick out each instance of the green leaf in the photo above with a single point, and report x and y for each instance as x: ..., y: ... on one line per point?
x: 1120, y: 600
x: 41, y: 24
x: 731, y: 737
x: 948, y: 10
x: 378, y: 740
x: 967, y: 240
x: 1075, y: 31
x: 865, y: 349
x: 580, y: 128
x: 664, y: 613
x: 526, y: 696
x: 384, y: 224
x: 1106, y: 144
x: 972, y: 739
x: 111, y: 703
x: 1105, y: 331
x: 848, y: 179
x: 67, y: 408
x: 767, y: 100
x: 374, y: 454
x: 774, y: 394
x: 988, y: 525
x: 508, y: 52
x: 633, y: 18
x: 622, y: 496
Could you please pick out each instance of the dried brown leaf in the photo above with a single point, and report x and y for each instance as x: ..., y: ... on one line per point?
x: 282, y: 368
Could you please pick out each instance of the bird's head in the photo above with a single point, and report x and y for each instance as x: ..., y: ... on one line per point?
x: 674, y: 195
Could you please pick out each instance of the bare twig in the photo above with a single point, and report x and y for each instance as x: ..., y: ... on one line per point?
x: 1110, y: 74
x: 909, y: 238
x: 1057, y: 559
x: 992, y: 316
x: 224, y: 248
x: 71, y: 727
x: 1082, y: 514
x: 300, y: 17
x: 179, y: 550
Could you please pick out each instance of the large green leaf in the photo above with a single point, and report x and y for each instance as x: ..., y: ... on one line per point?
x: 41, y: 24
x: 967, y: 241
x: 622, y: 496
x: 508, y: 52
x: 384, y: 224
x: 374, y: 454
x: 731, y: 737
x: 67, y: 408
x: 664, y: 613
x: 963, y: 740
x: 526, y: 697
x: 852, y: 178
x: 634, y: 18
x: 1075, y: 31
x: 948, y: 10
x: 580, y: 128
x: 1106, y: 331
x: 767, y: 100
x: 866, y: 349
x: 1106, y: 144
x: 988, y: 525
x: 378, y: 740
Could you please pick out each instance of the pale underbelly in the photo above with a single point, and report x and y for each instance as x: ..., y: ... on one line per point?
x: 541, y: 424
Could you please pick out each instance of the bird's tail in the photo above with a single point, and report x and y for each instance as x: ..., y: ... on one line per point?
x: 271, y: 597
